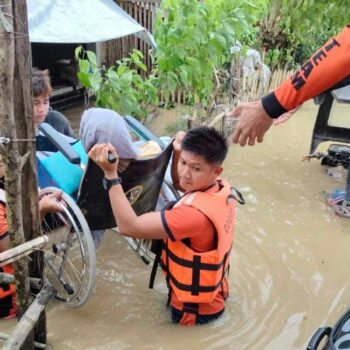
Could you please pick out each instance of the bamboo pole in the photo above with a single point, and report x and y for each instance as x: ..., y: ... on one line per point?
x: 4, y: 336
x: 217, y: 119
x: 29, y: 319
x: 15, y: 253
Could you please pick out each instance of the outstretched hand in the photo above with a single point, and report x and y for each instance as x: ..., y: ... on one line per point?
x: 99, y: 154
x: 284, y: 117
x: 252, y: 124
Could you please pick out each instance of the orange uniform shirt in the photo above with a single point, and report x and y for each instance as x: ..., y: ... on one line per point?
x: 325, y: 68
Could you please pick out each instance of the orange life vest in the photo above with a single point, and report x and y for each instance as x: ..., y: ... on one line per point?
x: 7, y: 291
x: 196, y: 277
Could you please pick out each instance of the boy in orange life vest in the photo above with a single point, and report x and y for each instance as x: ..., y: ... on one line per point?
x: 8, y: 291
x: 197, y: 231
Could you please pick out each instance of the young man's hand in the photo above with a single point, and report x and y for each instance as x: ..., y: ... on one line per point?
x: 50, y: 204
x: 178, y: 140
x: 99, y: 154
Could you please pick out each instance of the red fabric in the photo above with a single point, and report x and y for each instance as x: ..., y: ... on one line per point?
x: 188, y: 319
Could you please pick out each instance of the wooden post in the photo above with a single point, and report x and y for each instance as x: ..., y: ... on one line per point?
x: 31, y: 316
x: 16, y: 122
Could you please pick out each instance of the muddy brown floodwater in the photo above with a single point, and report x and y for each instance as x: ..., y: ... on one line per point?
x: 289, y: 273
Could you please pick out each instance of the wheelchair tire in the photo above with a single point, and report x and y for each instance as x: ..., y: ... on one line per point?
x: 70, y: 258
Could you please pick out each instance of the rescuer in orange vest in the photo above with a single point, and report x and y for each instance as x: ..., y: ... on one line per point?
x: 197, y: 232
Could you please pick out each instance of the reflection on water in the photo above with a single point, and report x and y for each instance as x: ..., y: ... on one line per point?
x: 289, y: 271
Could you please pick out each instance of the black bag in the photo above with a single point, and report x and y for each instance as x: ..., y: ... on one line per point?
x: 338, y: 336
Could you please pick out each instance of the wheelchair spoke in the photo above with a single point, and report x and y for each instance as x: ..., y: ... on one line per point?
x: 71, y: 258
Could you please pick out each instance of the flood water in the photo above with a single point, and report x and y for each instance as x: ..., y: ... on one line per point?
x: 289, y: 271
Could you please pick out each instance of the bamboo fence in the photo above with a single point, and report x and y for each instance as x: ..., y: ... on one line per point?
x: 250, y: 88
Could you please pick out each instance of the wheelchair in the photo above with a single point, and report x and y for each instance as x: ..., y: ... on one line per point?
x: 71, y: 259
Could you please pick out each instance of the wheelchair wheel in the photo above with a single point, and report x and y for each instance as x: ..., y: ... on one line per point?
x: 70, y: 257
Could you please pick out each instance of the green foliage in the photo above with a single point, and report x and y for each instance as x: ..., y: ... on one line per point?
x: 299, y: 27
x: 194, y: 36
x: 272, y: 58
x: 119, y: 87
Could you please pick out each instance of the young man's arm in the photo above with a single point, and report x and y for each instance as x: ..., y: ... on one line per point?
x: 149, y: 225
x: 47, y: 204
x: 324, y: 69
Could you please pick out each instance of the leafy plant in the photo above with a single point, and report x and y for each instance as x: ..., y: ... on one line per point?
x: 272, y: 57
x: 195, y: 36
x: 297, y: 28
x: 119, y: 87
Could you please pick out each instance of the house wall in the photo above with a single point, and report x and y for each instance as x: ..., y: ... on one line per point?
x: 143, y: 12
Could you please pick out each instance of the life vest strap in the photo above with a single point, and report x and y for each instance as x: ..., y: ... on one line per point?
x: 189, y: 287
x: 6, y: 306
x: 196, y: 274
x: 154, y: 271
x: 190, y: 263
x: 191, y: 308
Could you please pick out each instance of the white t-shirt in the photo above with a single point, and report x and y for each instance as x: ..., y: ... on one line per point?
x: 252, y: 60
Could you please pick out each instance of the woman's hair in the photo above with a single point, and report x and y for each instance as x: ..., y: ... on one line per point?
x: 41, y: 82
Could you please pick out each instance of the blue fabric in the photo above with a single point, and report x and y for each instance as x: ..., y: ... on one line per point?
x: 66, y: 175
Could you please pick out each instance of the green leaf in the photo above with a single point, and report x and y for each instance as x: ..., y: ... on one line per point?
x: 171, y: 81
x: 92, y: 58
x: 77, y: 52
x: 84, y: 79
x: 84, y: 66
x: 121, y: 69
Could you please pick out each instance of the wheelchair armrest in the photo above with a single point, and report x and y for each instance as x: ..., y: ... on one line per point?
x: 340, y: 91
x: 342, y: 95
x: 142, y: 130
x: 60, y: 143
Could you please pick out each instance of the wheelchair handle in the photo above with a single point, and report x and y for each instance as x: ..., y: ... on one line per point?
x: 112, y: 158
x: 317, y: 337
x: 60, y: 143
